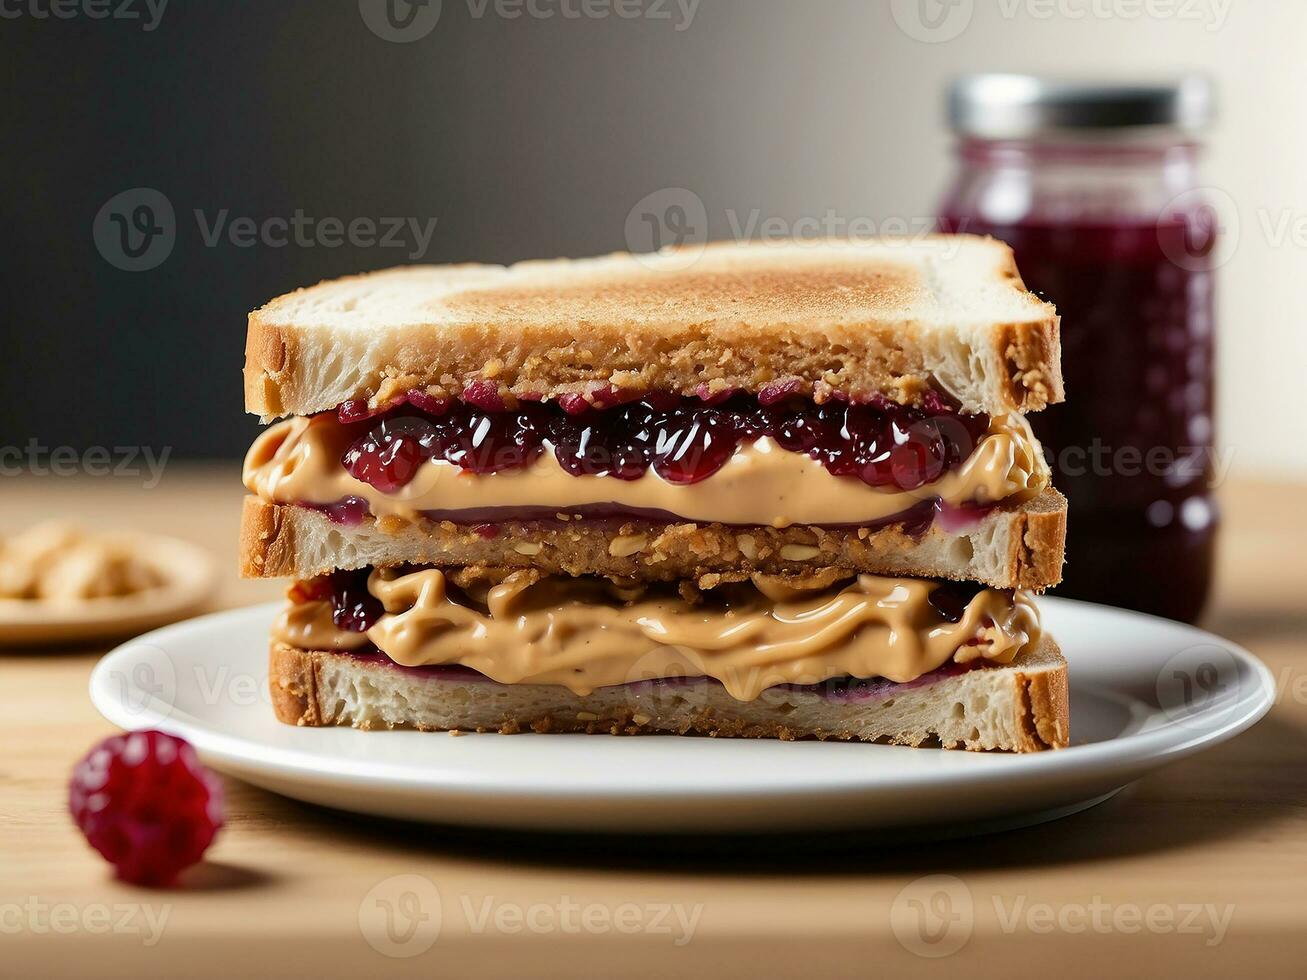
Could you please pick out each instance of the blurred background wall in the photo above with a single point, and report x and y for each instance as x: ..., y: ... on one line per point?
x: 528, y: 136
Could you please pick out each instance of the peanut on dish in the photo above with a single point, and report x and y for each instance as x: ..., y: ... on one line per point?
x: 59, y: 561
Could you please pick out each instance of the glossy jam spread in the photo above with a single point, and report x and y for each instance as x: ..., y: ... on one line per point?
x: 683, y: 440
x: 410, y: 467
x: 353, y: 608
x: 1132, y: 445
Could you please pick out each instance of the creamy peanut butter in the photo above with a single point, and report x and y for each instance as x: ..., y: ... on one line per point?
x: 298, y: 462
x: 585, y: 634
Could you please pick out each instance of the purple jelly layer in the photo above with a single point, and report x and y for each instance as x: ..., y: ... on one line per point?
x: 682, y: 439
x: 844, y: 690
x: 347, y: 512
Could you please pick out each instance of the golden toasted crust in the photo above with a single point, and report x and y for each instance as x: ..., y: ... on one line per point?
x: 1046, y: 710
x: 1039, y: 697
x: 875, y: 321
x: 267, y: 540
x: 1033, y: 354
x: 293, y: 684
x: 883, y: 363
x: 1017, y: 548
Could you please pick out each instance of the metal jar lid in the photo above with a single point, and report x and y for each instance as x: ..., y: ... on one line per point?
x: 1000, y: 106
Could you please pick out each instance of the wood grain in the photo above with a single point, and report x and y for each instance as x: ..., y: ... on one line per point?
x: 284, y: 890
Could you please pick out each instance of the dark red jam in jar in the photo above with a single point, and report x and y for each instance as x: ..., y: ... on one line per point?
x: 1096, y: 190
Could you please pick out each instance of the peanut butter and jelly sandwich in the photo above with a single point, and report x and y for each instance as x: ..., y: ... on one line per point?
x: 757, y: 491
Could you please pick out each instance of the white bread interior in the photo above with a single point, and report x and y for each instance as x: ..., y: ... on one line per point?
x: 1019, y: 547
x: 891, y: 316
x: 1021, y: 707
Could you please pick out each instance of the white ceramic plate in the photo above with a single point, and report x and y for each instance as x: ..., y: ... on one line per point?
x: 1144, y: 692
x: 189, y: 582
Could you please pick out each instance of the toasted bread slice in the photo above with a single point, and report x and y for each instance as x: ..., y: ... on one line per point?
x: 890, y: 317
x: 1021, y: 707
x: 1020, y: 547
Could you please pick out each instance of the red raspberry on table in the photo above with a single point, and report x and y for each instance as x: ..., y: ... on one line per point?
x: 145, y: 802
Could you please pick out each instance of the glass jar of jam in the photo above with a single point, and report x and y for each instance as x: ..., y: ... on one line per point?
x: 1096, y: 189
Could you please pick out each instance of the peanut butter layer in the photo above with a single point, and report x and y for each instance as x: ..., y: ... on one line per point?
x: 584, y: 634
x: 299, y: 462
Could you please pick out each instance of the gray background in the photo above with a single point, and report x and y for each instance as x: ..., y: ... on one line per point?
x: 533, y: 137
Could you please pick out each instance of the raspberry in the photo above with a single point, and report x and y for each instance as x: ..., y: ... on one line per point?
x: 145, y: 802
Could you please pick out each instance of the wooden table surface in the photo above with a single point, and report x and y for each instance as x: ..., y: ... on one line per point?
x: 1201, y: 867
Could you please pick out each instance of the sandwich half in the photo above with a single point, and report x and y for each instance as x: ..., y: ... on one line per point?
x: 769, y: 491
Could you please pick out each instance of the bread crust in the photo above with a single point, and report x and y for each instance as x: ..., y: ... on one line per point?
x: 1037, y: 695
x: 883, y: 364
x: 1046, y: 710
x: 293, y: 685
x: 742, y: 317
x: 1015, y: 548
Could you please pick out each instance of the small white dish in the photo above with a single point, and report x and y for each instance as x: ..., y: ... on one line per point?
x: 188, y: 583
x: 1144, y: 692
